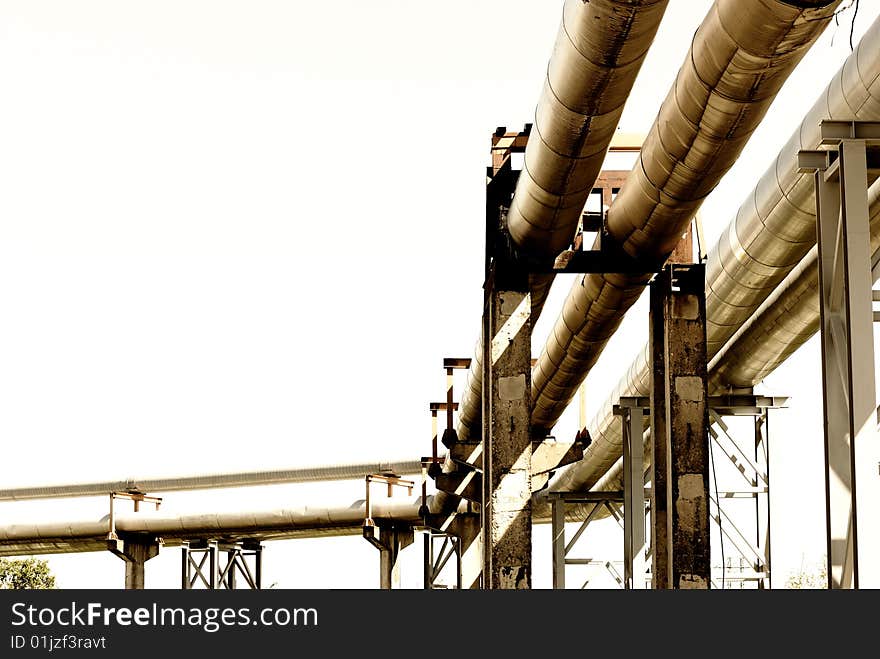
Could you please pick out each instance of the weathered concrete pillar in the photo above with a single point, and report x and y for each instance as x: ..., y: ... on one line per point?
x: 393, y: 539
x: 135, y: 551
x: 467, y: 527
x: 680, y: 419
x: 507, y: 512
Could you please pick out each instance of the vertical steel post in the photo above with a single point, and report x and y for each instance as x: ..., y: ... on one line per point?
x: 428, y: 550
x: 214, y: 564
x: 467, y: 528
x: 762, y: 499
x: 845, y: 281
x: 185, y: 582
x: 258, y: 566
x: 633, y: 499
x: 232, y: 557
x: 558, y: 536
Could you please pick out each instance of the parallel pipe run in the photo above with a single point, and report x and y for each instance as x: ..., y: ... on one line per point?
x: 599, y: 50
x: 778, y: 224
x: 213, y: 480
x: 784, y: 322
x: 741, y: 55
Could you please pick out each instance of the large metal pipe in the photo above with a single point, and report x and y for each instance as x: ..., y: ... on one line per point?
x: 741, y: 55
x: 599, y: 50
x: 212, y: 480
x: 777, y: 219
x: 304, y: 521
x: 776, y: 226
x: 784, y: 322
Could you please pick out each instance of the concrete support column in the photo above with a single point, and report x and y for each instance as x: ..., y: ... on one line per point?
x: 685, y: 436
x: 507, y: 492
x: 135, y: 552
x: 392, y: 539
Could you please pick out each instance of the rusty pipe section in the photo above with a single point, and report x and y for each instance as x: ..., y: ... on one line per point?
x: 741, y: 55
x: 599, y: 50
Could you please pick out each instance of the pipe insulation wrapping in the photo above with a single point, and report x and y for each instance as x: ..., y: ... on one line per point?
x: 782, y: 324
x: 779, y: 219
x: 598, y: 52
x: 741, y: 55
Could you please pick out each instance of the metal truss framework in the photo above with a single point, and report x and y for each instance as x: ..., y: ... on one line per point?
x: 437, y: 559
x: 750, y: 542
x: 215, y: 565
x: 852, y: 487
x: 562, y: 549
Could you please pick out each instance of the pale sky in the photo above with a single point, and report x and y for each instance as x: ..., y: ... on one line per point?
x: 243, y: 235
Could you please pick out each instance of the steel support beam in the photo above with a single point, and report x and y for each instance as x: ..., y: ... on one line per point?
x: 562, y: 547
x: 852, y: 485
x: 468, y: 529
x: 681, y: 293
x: 762, y: 498
x: 437, y: 560
x: 634, y: 565
x: 203, y: 564
x: 557, y: 532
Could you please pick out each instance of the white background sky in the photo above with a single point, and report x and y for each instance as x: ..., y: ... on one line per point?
x: 244, y: 235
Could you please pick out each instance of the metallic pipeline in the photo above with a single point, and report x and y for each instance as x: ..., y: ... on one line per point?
x: 741, y: 55
x: 786, y: 320
x: 778, y: 217
x: 782, y: 324
x: 599, y: 50
x: 304, y: 521
x: 212, y: 480
x: 776, y: 226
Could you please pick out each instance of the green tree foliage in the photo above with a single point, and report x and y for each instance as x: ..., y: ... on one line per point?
x: 28, y: 573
